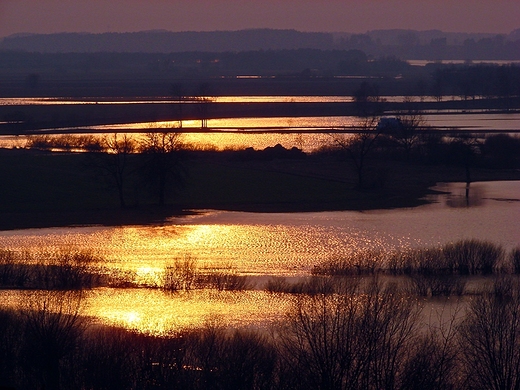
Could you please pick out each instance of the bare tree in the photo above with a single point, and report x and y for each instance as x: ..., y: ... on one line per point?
x: 53, y: 328
x: 349, y: 339
x: 179, y: 93
x: 405, y: 131
x: 388, y: 325
x: 359, y: 146
x: 203, y: 97
x: 434, y: 358
x: 468, y: 146
x: 113, y: 162
x: 490, y: 339
x: 367, y: 99
x: 321, y: 341
x: 162, y: 166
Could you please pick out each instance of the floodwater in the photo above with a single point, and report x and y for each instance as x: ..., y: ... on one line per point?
x: 215, y: 99
x: 261, y: 245
x: 306, y: 133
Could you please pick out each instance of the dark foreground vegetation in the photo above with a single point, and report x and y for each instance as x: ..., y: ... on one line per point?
x: 346, y: 334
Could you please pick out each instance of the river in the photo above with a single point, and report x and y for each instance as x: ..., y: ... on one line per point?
x: 261, y: 246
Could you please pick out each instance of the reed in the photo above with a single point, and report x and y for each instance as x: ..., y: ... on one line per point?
x: 465, y: 257
x: 514, y: 260
x: 50, y: 270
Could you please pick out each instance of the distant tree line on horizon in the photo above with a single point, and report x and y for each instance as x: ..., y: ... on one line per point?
x: 302, y: 63
x: 407, y: 44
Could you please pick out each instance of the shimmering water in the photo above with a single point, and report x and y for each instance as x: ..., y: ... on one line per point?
x: 216, y: 99
x: 306, y: 133
x: 261, y: 245
x: 260, y: 133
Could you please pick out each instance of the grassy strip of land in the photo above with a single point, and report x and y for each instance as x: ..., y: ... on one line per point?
x: 42, y: 189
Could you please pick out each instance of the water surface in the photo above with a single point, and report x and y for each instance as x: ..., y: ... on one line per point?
x: 261, y: 245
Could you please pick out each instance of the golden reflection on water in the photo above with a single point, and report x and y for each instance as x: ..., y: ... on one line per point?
x: 159, y: 313
x: 156, y: 312
x: 248, y: 248
x: 252, y: 244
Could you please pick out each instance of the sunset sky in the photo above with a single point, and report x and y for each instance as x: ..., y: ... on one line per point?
x: 50, y: 16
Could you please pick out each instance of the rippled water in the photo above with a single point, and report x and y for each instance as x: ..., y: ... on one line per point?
x: 216, y: 99
x: 260, y: 245
x: 259, y: 133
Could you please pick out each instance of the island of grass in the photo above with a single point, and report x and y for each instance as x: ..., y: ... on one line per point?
x: 48, y: 189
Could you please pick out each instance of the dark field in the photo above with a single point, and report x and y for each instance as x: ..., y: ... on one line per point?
x: 55, y: 189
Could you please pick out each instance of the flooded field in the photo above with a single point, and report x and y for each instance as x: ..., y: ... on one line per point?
x: 261, y: 246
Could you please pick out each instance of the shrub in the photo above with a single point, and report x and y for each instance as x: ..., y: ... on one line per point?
x: 13, y: 271
x: 357, y: 263
x: 437, y: 285
x: 472, y: 257
x: 223, y: 277
x: 181, y: 275
x: 66, y: 270
x: 514, y: 259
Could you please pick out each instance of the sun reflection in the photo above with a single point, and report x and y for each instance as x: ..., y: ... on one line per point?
x: 155, y: 312
x: 150, y: 276
x: 200, y: 234
x: 130, y: 317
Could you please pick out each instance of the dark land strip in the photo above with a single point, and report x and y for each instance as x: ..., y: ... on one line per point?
x: 48, y: 190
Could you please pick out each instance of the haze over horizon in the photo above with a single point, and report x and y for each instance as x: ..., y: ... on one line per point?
x: 98, y: 16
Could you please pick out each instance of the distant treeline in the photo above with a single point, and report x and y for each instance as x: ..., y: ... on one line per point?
x: 477, y: 81
x: 272, y: 72
x: 407, y: 44
x: 300, y: 62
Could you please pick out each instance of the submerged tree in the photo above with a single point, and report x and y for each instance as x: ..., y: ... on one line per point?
x: 490, y: 339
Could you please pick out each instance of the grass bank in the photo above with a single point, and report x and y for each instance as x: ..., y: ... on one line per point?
x: 43, y: 189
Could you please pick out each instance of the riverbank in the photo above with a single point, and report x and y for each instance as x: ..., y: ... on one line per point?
x: 53, y: 189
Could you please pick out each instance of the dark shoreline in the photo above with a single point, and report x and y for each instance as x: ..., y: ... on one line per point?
x: 156, y: 215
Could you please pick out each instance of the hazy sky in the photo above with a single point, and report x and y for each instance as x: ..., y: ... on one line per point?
x: 48, y: 16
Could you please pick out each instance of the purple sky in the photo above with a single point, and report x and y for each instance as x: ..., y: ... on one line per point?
x: 49, y: 16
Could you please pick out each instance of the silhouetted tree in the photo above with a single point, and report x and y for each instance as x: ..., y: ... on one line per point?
x: 179, y: 93
x: 404, y: 131
x: 113, y: 161
x: 32, y: 81
x: 433, y: 361
x: 367, y: 100
x: 349, y: 339
x: 490, y: 339
x: 53, y: 329
x: 467, y: 146
x: 359, y: 145
x: 162, y: 162
x: 204, y: 99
